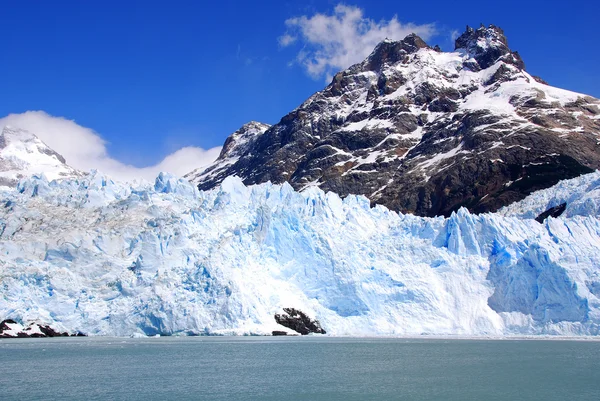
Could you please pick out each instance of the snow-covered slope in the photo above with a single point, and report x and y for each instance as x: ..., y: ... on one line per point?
x: 236, y: 145
x: 102, y: 258
x: 427, y: 132
x: 23, y: 154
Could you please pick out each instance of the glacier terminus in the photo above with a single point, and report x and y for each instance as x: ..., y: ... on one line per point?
x: 91, y: 255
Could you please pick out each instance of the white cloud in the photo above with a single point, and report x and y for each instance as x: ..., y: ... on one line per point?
x: 84, y: 149
x: 286, y: 40
x: 334, y: 42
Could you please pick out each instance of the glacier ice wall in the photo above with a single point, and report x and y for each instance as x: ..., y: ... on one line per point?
x: 104, y: 258
x: 581, y: 194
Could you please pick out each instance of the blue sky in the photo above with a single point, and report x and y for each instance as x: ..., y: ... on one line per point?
x: 152, y: 77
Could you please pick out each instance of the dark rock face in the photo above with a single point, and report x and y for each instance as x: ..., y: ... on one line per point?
x: 4, y: 325
x: 554, y: 212
x: 279, y: 333
x: 426, y: 132
x: 299, y: 322
x: 50, y: 332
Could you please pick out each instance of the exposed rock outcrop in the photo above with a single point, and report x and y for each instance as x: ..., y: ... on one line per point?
x: 554, y: 212
x: 298, y: 321
x: 12, y: 329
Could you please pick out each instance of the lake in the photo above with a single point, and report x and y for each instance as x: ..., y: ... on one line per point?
x: 298, y: 368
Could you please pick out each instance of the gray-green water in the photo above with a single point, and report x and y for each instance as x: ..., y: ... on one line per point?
x: 259, y: 368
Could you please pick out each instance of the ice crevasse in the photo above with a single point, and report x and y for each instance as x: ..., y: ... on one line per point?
x: 105, y: 258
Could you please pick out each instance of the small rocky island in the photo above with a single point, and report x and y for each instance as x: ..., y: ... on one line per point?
x: 298, y: 321
x: 12, y: 329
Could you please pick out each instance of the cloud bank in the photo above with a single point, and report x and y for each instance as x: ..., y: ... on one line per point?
x: 335, y: 42
x: 84, y: 149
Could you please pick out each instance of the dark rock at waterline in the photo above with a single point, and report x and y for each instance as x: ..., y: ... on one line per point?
x: 279, y: 333
x: 34, y: 330
x: 552, y: 212
x: 50, y: 332
x: 5, y: 323
x: 298, y: 321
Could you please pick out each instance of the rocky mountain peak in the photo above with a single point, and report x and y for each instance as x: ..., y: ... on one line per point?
x: 236, y: 145
x: 389, y: 52
x: 20, y: 138
x: 236, y: 142
x: 487, y: 45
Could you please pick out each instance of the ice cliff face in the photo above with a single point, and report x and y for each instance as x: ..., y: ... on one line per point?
x: 103, y: 258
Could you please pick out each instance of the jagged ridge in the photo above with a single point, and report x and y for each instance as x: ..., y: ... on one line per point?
x: 426, y: 132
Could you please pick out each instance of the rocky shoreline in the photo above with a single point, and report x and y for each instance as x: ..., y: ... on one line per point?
x: 298, y: 322
x: 12, y: 329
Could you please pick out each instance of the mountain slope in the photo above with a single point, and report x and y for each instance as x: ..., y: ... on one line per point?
x: 23, y: 154
x: 426, y: 132
x: 166, y: 259
x: 236, y: 145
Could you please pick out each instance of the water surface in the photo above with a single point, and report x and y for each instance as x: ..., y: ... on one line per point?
x: 298, y: 368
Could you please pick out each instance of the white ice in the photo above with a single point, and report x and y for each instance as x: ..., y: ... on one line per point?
x: 105, y: 258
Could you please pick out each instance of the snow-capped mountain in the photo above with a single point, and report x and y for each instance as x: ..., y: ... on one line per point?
x: 104, y: 258
x: 23, y: 154
x: 426, y: 132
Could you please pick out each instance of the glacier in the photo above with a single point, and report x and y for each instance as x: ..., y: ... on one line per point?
x: 581, y: 194
x: 88, y: 254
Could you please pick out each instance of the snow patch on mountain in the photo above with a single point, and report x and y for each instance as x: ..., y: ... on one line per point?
x: 441, y: 70
x: 23, y: 154
x: 235, y: 146
x: 105, y: 258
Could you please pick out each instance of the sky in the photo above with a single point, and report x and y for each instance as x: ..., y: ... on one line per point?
x: 135, y: 87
